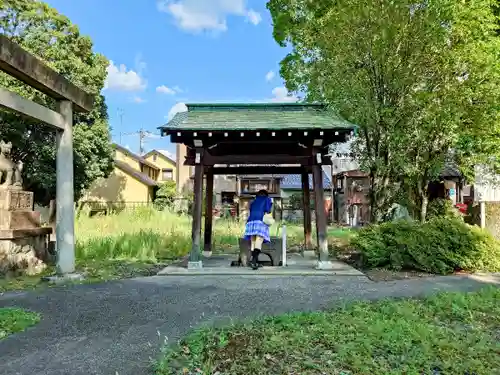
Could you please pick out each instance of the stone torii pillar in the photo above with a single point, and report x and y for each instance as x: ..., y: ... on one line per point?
x: 25, y: 67
x: 65, y: 206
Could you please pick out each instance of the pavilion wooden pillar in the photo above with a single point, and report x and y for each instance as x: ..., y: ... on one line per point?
x: 195, y: 254
x: 306, y: 207
x: 321, y: 228
x: 209, y: 198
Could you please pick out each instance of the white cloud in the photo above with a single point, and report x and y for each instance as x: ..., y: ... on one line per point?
x: 140, y: 64
x: 165, y: 90
x: 167, y: 153
x: 270, y: 75
x: 281, y: 95
x: 138, y: 100
x: 177, y: 89
x: 179, y: 107
x: 207, y: 15
x: 121, y: 79
x: 254, y: 17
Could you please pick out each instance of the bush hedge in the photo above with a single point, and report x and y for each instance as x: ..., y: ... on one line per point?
x: 440, y: 246
x: 442, y: 208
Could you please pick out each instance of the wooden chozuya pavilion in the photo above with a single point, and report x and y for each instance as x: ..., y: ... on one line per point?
x: 246, y: 139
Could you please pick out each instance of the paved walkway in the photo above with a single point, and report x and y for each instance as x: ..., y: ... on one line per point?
x: 118, y: 327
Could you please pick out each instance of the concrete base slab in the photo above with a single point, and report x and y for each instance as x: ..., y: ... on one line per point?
x: 195, y: 265
x: 296, y: 266
x: 326, y: 265
x: 263, y: 271
x: 309, y: 254
x: 63, y: 279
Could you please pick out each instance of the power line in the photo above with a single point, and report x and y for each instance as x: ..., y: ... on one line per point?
x: 143, y: 135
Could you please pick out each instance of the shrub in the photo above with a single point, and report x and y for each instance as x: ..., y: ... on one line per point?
x: 441, y: 245
x: 442, y: 208
x: 295, y: 202
x: 165, y: 195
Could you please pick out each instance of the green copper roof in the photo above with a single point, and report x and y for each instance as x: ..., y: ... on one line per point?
x: 273, y: 116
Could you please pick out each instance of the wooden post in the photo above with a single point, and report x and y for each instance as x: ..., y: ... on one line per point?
x: 306, y: 208
x: 321, y: 228
x: 195, y: 256
x: 209, y: 211
x: 65, y: 209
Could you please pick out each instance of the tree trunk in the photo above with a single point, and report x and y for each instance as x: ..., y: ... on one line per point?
x: 423, y: 208
x: 373, y: 198
x: 422, y: 187
x: 379, y: 197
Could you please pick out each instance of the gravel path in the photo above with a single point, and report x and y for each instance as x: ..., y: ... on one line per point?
x: 118, y: 327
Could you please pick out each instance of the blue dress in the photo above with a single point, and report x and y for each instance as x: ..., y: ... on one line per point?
x: 255, y: 226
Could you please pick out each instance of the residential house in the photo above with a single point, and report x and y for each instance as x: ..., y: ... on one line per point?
x: 133, y: 181
x: 291, y: 185
x: 351, y: 185
x: 165, y: 162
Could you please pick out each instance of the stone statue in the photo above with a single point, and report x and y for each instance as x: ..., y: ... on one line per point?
x: 18, y: 178
x: 8, y: 169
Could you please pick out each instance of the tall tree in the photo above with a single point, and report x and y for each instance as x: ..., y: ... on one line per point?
x: 52, y: 37
x: 419, y: 79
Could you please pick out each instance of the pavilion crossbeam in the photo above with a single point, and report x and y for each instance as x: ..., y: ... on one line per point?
x: 257, y: 170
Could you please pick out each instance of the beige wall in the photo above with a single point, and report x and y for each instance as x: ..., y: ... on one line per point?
x: 119, y: 187
x: 161, y: 162
x: 127, y: 159
x: 183, y: 174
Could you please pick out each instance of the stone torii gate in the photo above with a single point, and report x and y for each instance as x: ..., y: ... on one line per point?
x: 25, y: 67
x: 245, y: 139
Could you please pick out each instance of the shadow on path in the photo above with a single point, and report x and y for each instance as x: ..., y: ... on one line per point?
x: 119, y: 327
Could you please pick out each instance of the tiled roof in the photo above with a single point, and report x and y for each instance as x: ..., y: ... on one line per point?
x: 135, y: 173
x: 256, y: 116
x: 135, y: 156
x: 167, y: 155
x: 450, y: 169
x: 294, y: 182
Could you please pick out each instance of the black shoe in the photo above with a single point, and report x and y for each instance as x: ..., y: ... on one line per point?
x: 255, y: 259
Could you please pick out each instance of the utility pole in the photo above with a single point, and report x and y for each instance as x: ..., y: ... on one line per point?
x: 120, y: 114
x: 142, y: 135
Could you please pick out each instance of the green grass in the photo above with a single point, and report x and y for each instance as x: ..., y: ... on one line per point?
x: 139, y: 243
x: 147, y: 235
x: 452, y: 333
x: 14, y: 320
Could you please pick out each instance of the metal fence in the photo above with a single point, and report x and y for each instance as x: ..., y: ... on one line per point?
x: 93, y: 207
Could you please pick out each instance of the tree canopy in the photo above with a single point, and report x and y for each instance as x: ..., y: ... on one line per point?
x: 421, y: 80
x: 52, y: 37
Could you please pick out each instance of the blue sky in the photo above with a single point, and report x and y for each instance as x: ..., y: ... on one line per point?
x: 168, y: 52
